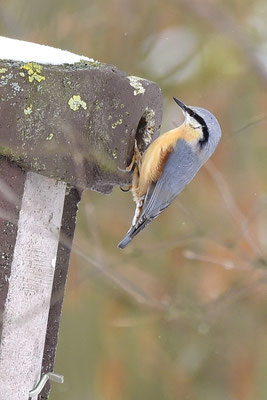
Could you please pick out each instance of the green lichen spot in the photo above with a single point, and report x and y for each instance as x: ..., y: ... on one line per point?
x: 50, y: 136
x: 34, y: 72
x: 127, y: 113
x: 3, y: 70
x: 75, y: 102
x: 135, y: 82
x: 122, y: 105
x: 115, y: 124
x: 28, y: 110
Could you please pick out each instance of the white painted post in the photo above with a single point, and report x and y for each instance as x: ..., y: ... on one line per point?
x: 30, y: 285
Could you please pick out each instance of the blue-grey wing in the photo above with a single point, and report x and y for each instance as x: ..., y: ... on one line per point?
x: 180, y: 168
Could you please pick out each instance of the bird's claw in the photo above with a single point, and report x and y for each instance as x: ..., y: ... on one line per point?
x: 126, y: 190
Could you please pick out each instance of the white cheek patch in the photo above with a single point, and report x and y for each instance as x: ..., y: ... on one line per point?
x: 192, y: 122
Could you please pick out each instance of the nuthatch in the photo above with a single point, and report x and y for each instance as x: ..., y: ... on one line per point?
x: 169, y: 164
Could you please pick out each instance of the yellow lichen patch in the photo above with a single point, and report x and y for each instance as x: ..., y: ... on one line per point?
x: 119, y: 122
x: 28, y: 110
x: 3, y: 70
x: 50, y: 136
x: 34, y: 72
x: 75, y: 103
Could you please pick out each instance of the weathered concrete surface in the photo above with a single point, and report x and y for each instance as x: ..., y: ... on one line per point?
x: 76, y: 122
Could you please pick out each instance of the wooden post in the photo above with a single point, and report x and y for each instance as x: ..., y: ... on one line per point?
x: 63, y: 129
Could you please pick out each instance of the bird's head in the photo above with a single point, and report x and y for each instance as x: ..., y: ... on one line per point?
x: 205, y: 121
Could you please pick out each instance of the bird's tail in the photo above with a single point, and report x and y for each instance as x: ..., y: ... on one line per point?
x: 126, y: 240
x: 132, y: 232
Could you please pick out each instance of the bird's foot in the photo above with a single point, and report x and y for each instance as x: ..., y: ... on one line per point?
x: 136, y: 160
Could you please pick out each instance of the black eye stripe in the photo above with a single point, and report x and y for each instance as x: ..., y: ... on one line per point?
x: 199, y: 119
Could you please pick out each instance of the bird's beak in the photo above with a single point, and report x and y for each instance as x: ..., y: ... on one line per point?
x: 181, y: 105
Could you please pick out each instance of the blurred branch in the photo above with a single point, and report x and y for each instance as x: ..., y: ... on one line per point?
x: 227, y: 264
x: 122, y: 282
x: 166, y: 244
x: 257, y: 208
x: 250, y: 124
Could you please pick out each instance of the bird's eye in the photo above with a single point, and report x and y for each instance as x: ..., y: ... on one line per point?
x: 196, y: 126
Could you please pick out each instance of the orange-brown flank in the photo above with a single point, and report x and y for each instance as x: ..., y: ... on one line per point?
x: 154, y: 158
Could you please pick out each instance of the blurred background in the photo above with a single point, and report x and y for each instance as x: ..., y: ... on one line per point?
x: 182, y: 312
